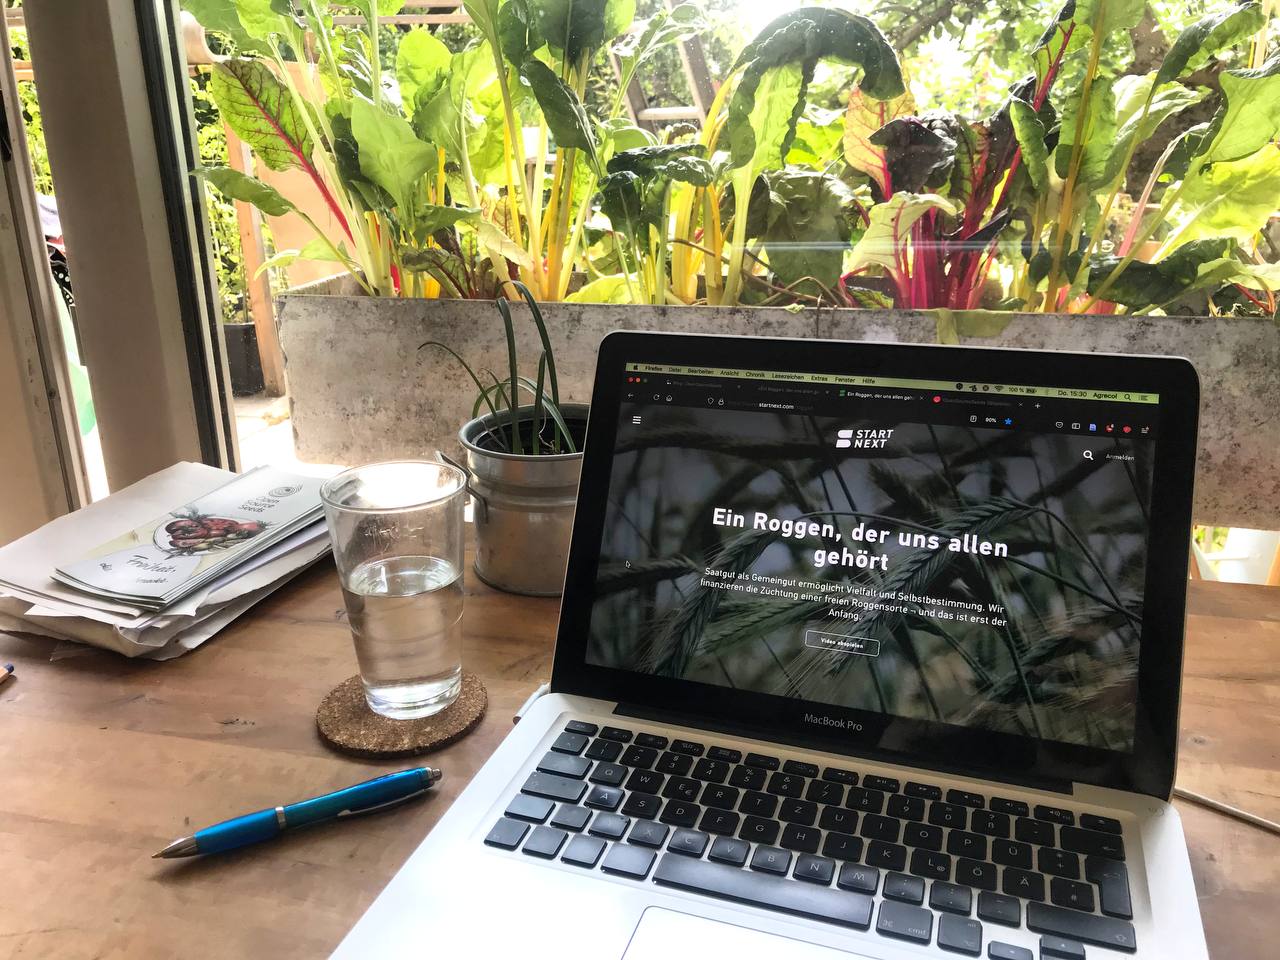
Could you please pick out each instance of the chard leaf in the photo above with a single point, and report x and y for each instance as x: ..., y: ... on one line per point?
x: 622, y: 201
x: 1097, y: 135
x: 1144, y: 285
x: 759, y: 125
x: 672, y: 25
x: 390, y: 154
x: 1061, y: 31
x: 578, y: 27
x: 808, y: 226
x: 1234, y: 198
x: 431, y: 218
x: 920, y: 151
x: 515, y: 32
x: 263, y: 18
x: 448, y: 119
x: 672, y: 161
x: 563, y: 110
x: 887, y: 235
x: 239, y: 186
x: 864, y: 117
x: 495, y: 239
x: 422, y: 67
x: 223, y: 17
x: 1030, y: 133
x: 1109, y: 16
x: 1211, y: 33
x: 611, y: 289
x: 315, y: 249
x: 261, y: 111
x: 1251, y: 116
x: 1131, y: 95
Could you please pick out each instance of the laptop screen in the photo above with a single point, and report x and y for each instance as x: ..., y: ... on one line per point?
x: 966, y: 553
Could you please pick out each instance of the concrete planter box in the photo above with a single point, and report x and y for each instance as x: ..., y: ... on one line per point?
x: 360, y: 389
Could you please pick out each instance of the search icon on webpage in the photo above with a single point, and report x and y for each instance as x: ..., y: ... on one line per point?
x: 1088, y: 454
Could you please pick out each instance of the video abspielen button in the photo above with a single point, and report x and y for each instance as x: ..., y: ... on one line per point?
x: 863, y: 646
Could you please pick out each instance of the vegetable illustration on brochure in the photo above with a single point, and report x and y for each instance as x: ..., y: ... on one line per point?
x: 193, y: 532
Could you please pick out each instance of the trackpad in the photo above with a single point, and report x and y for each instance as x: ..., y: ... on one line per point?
x: 660, y: 930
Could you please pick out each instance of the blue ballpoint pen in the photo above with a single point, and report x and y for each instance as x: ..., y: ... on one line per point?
x: 265, y: 824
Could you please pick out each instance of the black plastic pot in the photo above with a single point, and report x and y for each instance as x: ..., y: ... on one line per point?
x: 243, y: 361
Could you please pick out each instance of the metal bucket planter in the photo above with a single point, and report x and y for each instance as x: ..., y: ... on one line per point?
x: 523, y: 507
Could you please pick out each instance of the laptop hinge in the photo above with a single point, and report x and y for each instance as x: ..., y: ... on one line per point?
x: 711, y: 725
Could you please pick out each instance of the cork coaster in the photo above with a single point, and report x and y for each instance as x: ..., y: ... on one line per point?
x: 347, y: 724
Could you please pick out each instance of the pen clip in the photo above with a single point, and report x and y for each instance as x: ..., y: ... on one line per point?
x: 360, y: 811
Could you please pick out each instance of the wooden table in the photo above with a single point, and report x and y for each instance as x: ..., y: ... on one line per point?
x: 104, y: 760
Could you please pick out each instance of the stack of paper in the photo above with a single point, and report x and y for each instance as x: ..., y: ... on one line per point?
x: 162, y: 565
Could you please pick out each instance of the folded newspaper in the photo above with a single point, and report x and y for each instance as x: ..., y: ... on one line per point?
x: 233, y: 540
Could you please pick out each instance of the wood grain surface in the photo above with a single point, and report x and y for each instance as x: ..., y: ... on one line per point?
x: 104, y: 760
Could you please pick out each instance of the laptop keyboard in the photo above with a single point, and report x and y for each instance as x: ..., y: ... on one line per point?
x: 947, y: 866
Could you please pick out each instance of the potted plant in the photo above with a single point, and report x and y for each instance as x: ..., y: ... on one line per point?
x: 523, y: 460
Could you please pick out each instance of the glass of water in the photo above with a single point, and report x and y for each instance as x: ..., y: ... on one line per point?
x: 397, y: 538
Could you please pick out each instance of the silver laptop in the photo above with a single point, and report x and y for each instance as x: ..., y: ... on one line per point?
x: 865, y: 651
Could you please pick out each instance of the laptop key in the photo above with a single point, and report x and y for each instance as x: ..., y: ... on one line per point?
x: 1071, y: 893
x: 645, y: 781
x: 649, y: 834
x: 884, y: 784
x: 569, y: 743
x: 507, y: 834
x: 721, y: 822
x: 1055, y: 815
x: 629, y: 860
x: 974, y: 873
x: 533, y: 809
x: 971, y: 845
x: 925, y: 791
x: 960, y: 935
x: 687, y: 747
x: 553, y: 787
x: 935, y: 866
x: 904, y: 807
x: 1034, y: 831
x: 758, y: 804
x: 868, y: 801
x: 876, y: 827
x: 899, y: 886
x: 747, y: 778
x: 842, y: 821
x: 800, y: 838
x: 544, y: 842
x: 604, y: 798
x: 759, y: 830
x: 617, y: 734
x: 639, y: 757
x: 680, y: 813
x: 726, y: 754
x: 771, y: 860
x: 1060, y: 948
x: 713, y: 771
x: 966, y: 798
x: 1113, y: 886
x: 889, y: 856
x: 948, y: 815
x: 1091, y: 842
x: 571, y: 818
x: 824, y: 791
x: 611, y: 826
x: 691, y: 843
x: 582, y: 727
x: 1091, y: 821
x: 841, y: 846
x: 583, y: 851
x: 998, y: 908
x: 606, y: 750
x: 858, y: 878
x: 674, y: 763
x: 642, y: 806
x: 682, y: 788
x: 1011, y: 853
x: 729, y: 850
x: 762, y: 762
x: 651, y: 740
x: 799, y: 811
x: 990, y: 824
x: 1085, y: 927
x: 950, y: 897
x: 724, y: 798
x: 764, y: 890
x: 923, y: 835
x: 905, y: 922
x: 786, y: 785
x: 800, y: 769
x: 564, y: 765
x: 1007, y: 951
x: 1058, y: 863
x: 838, y: 775
x: 610, y: 774
x: 1014, y: 808
x: 814, y: 869
x: 1022, y: 883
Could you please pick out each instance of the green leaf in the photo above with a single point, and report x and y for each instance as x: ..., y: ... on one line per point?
x: 580, y: 27
x: 563, y: 110
x: 666, y: 26
x: 235, y: 185
x: 422, y: 67
x: 315, y: 249
x: 671, y: 161
x: 430, y: 218
x: 1097, y: 135
x: 1107, y: 17
x: 1029, y: 132
x: 1251, y: 116
x: 622, y: 201
x: 220, y: 16
x: 1214, y: 32
x: 1131, y: 96
x: 261, y: 18
x: 890, y: 228
x: 1051, y: 41
x: 612, y: 289
x: 1144, y: 285
x: 493, y: 238
x: 390, y: 154
x: 515, y: 32
x: 757, y: 138
x: 981, y: 324
x: 808, y: 226
x: 1234, y: 198
x: 863, y: 118
x: 261, y: 111
x: 448, y: 119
